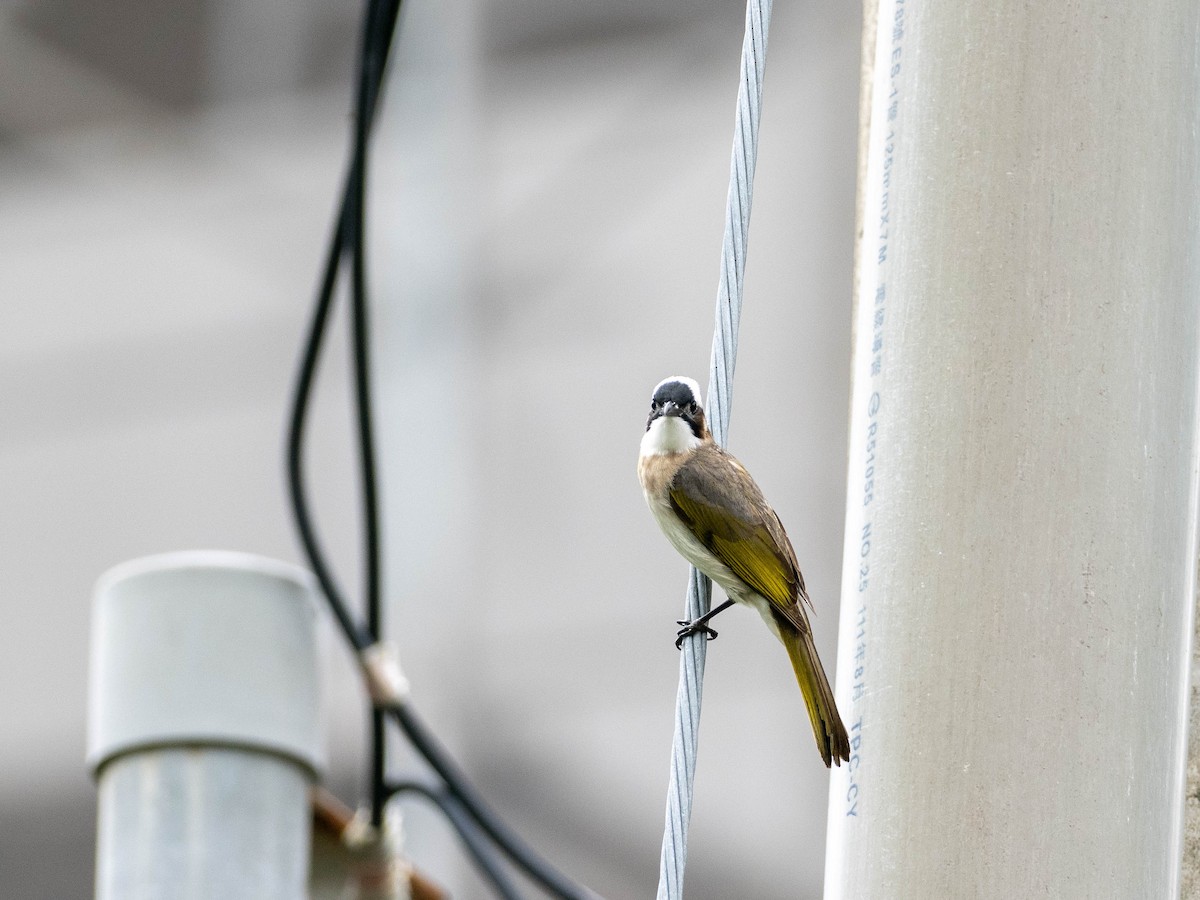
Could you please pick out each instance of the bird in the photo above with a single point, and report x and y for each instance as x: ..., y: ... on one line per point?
x: 715, y: 516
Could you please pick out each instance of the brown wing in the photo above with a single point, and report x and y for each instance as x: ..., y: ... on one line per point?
x: 715, y: 497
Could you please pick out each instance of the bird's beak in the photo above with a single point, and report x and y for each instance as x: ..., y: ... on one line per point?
x: 671, y: 408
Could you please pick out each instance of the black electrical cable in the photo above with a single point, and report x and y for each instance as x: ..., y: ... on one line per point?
x: 375, y: 44
x: 301, y: 395
x: 356, y: 226
x: 508, y: 840
x: 347, y: 232
x: 488, y: 865
x: 380, y: 26
x: 349, y: 239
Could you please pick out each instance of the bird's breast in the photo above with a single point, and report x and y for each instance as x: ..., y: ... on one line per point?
x: 655, y: 473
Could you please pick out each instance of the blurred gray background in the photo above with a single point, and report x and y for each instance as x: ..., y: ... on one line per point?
x: 547, y: 198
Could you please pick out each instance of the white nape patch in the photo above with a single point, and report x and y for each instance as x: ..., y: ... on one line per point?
x: 668, y: 434
x: 693, y: 386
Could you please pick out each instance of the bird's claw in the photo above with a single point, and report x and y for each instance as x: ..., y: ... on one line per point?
x: 690, y: 628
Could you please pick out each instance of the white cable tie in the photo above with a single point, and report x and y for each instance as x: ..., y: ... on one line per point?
x: 378, y: 869
x: 359, y: 833
x: 386, y: 682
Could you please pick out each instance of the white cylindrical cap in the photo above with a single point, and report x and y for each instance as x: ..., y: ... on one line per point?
x: 204, y: 647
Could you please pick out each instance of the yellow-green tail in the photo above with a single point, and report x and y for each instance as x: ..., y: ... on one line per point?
x: 828, y: 729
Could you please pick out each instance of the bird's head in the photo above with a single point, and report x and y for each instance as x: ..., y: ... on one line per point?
x: 676, y: 421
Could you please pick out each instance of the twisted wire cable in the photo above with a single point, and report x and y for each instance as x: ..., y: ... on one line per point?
x: 720, y: 394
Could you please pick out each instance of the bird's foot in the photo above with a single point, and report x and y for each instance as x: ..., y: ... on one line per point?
x: 690, y: 628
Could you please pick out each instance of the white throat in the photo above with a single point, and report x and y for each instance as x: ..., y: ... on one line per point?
x: 668, y: 434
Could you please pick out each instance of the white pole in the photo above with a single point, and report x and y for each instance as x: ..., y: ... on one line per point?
x: 1021, y: 528
x: 203, y: 728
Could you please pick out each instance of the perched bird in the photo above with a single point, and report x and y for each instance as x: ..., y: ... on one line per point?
x: 711, y: 510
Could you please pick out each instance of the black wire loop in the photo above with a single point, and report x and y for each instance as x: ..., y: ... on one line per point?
x: 459, y: 801
x: 486, y: 862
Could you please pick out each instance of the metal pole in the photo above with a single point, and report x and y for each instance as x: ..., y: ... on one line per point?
x: 1190, y: 870
x: 203, y: 728
x: 1021, y: 523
